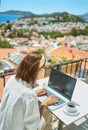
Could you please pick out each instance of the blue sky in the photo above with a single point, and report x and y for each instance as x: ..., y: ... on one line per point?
x: 46, y: 6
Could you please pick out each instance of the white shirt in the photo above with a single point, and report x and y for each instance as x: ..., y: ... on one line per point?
x: 19, y: 107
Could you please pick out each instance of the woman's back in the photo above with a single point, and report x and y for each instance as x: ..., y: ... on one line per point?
x: 17, y: 106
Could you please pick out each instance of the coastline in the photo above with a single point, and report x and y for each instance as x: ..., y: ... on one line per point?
x: 5, y: 17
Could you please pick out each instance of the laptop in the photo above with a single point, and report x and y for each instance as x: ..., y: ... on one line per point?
x: 62, y: 86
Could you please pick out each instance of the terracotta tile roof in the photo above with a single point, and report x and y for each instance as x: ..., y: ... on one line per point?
x: 4, y: 52
x: 64, y: 51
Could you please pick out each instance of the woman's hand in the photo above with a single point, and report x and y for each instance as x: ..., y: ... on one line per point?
x: 49, y: 101
x: 41, y: 91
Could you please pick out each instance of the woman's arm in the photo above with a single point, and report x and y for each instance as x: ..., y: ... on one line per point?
x: 48, y: 101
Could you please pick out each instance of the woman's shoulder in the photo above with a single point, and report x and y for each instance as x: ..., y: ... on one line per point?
x: 29, y: 93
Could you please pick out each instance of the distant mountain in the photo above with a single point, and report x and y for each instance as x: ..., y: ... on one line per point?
x: 16, y: 12
x: 28, y: 13
x: 84, y: 16
x: 57, y: 13
x: 61, y: 16
x: 66, y: 17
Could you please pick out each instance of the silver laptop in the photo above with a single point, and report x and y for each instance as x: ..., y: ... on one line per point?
x: 62, y: 86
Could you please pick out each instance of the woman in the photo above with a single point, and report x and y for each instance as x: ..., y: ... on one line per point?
x: 19, y: 108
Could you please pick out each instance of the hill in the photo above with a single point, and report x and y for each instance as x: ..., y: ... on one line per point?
x: 16, y: 12
x: 60, y: 17
x: 84, y: 16
x: 66, y: 17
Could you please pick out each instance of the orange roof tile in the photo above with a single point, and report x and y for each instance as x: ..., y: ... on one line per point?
x: 4, y: 51
x: 64, y: 51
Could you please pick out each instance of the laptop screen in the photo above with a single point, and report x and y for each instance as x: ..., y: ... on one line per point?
x: 62, y: 83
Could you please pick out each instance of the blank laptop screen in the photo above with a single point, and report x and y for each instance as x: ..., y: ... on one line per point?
x: 62, y: 83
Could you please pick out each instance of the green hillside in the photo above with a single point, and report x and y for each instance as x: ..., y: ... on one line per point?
x: 59, y: 17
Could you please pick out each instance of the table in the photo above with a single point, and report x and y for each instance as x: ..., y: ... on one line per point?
x: 80, y: 95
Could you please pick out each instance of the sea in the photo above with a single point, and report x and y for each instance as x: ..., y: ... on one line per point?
x: 10, y: 18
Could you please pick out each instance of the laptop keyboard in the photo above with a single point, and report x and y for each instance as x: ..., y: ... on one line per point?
x: 60, y: 101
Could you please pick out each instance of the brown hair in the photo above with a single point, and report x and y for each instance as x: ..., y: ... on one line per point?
x: 29, y: 67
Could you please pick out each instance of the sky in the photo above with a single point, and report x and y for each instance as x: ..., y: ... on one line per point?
x: 75, y: 7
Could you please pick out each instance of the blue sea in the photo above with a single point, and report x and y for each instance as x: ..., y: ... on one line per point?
x: 5, y: 17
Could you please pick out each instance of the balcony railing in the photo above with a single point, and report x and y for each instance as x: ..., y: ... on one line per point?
x: 76, y: 68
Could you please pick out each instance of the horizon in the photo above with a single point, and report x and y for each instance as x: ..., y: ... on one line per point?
x: 45, y: 7
x: 42, y: 13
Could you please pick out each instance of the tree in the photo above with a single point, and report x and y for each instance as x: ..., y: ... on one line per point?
x: 41, y: 51
x: 74, y: 32
x: 8, y: 27
x: 5, y: 44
